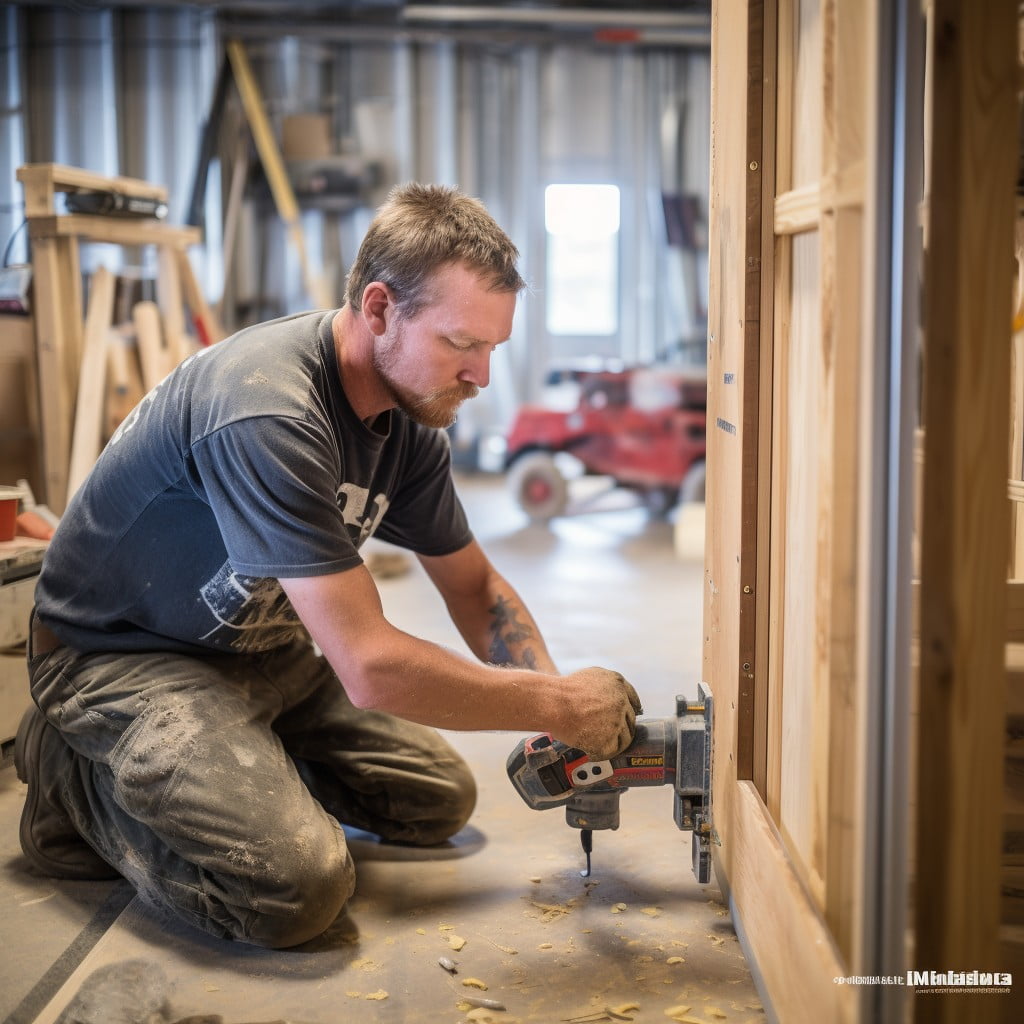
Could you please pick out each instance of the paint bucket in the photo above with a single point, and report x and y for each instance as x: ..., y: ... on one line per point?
x: 10, y: 498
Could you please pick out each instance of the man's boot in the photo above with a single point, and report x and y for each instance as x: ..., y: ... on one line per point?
x: 48, y: 838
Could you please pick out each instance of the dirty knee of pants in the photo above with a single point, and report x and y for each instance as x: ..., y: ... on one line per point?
x: 426, y: 824
x: 304, y: 901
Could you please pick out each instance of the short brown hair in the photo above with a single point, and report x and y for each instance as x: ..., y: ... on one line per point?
x: 419, y: 229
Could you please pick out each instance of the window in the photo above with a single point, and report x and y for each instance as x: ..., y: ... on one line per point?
x: 582, y: 289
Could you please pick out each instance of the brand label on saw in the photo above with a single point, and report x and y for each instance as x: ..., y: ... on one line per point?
x: 646, y: 762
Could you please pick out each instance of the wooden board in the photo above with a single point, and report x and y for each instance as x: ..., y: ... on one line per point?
x: 273, y: 166
x: 149, y: 337
x: 784, y: 344
x: 795, y: 952
x: 963, y: 541
x: 40, y: 183
x: 207, y: 325
x: 169, y: 299
x: 117, y: 230
x: 89, y: 408
x: 58, y: 321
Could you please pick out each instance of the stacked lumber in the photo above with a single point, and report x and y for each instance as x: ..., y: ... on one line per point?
x: 85, y: 378
x: 120, y: 363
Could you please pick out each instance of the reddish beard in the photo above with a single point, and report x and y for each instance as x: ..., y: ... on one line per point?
x: 437, y: 408
x: 440, y: 407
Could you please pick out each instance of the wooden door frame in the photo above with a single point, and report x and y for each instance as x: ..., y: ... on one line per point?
x: 792, y: 948
x: 770, y: 904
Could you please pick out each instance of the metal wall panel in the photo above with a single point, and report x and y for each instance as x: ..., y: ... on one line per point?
x: 125, y: 91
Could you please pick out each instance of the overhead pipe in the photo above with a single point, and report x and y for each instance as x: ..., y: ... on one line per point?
x: 558, y: 17
x: 264, y: 28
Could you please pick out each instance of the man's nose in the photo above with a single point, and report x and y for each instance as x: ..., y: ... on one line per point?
x: 477, y: 369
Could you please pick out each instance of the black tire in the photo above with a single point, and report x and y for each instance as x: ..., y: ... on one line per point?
x: 538, y: 486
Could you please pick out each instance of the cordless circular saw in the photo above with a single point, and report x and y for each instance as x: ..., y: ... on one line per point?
x: 665, y: 752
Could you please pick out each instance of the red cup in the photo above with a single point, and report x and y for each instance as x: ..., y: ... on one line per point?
x: 10, y: 499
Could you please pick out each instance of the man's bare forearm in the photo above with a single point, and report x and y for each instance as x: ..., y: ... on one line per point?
x: 500, y: 630
x: 514, y: 637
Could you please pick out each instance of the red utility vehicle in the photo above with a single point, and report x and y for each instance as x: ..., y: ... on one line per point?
x: 643, y: 427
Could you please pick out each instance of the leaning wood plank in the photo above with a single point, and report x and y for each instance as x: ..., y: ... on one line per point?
x: 148, y: 334
x: 51, y: 341
x: 73, y: 304
x: 124, y: 380
x: 207, y: 326
x: 273, y: 165
x: 239, y: 173
x: 973, y: 163
x: 85, y: 442
x: 795, y: 954
x: 168, y: 298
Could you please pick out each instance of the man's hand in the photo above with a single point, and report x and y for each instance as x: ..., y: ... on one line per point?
x: 601, y: 709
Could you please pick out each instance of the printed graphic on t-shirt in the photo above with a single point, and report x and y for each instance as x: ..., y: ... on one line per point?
x: 353, y: 500
x: 252, y: 612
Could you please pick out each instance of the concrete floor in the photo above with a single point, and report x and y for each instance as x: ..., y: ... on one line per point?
x: 639, y: 940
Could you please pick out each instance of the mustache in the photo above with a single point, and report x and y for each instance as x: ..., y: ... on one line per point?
x: 462, y: 392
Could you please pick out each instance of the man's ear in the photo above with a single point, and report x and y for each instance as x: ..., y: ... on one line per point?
x: 377, y: 306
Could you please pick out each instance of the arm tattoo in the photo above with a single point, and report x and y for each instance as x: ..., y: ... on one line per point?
x: 507, y: 631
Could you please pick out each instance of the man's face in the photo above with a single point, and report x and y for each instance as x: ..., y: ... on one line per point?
x: 433, y: 361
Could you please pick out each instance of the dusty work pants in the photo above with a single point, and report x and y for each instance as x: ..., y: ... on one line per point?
x: 215, y: 785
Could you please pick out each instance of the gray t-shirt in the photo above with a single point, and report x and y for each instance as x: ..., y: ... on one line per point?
x: 245, y: 465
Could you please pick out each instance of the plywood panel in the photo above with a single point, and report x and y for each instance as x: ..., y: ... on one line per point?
x: 790, y: 844
x: 725, y: 354
x: 807, y: 93
x: 801, y: 555
x: 965, y: 519
x: 847, y: 56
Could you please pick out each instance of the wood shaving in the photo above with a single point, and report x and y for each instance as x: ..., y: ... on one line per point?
x: 553, y: 911
x: 675, y: 960
x: 378, y: 995
x: 456, y: 942
x: 651, y: 911
x: 475, y: 983
x: 620, y: 1012
x: 619, y: 908
x: 545, y: 945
